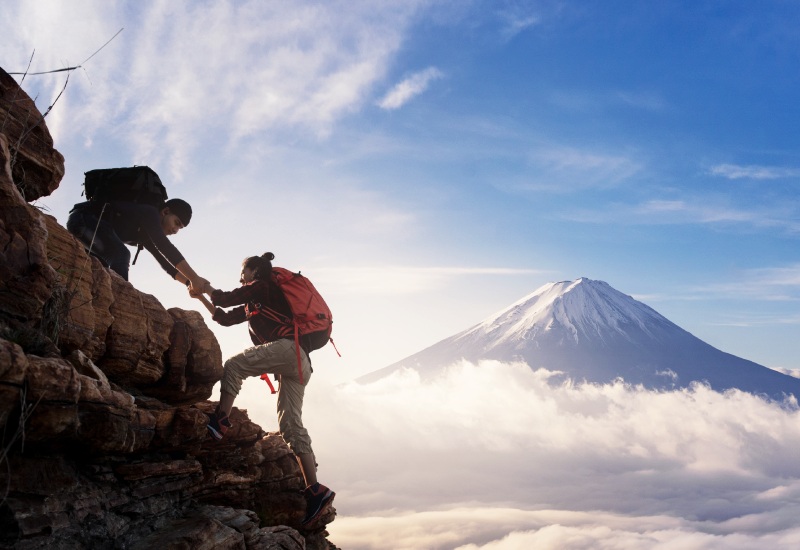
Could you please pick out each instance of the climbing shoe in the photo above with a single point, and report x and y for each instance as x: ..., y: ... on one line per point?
x: 317, y: 496
x: 218, y: 424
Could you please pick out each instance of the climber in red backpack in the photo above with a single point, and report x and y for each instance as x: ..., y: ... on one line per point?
x: 280, y: 350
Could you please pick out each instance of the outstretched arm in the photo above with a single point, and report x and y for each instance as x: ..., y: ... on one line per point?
x: 208, y: 289
x: 187, y: 274
x: 211, y: 309
x: 224, y: 318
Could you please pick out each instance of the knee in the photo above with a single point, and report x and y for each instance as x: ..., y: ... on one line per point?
x: 79, y: 226
x: 231, y: 377
x: 232, y: 365
x: 296, y: 438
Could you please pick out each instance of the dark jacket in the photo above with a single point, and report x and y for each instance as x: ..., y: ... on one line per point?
x: 138, y: 224
x: 251, y: 298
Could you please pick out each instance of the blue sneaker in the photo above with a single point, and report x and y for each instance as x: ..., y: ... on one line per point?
x: 218, y: 424
x: 317, y: 497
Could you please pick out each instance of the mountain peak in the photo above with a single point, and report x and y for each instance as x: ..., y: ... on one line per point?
x: 583, y: 309
x: 589, y: 331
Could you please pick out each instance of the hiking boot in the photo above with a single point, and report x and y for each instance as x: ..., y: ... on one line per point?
x: 317, y: 496
x: 218, y: 424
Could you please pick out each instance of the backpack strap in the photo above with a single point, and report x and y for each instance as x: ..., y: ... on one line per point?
x: 283, y: 320
x: 334, y: 346
x: 139, y: 248
x: 265, y: 378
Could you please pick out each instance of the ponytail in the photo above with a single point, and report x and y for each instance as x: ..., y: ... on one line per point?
x: 261, y: 265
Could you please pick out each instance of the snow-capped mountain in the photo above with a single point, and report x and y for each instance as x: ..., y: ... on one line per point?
x: 589, y: 331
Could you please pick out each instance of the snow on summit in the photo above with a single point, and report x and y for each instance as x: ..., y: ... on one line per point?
x: 589, y: 331
x: 583, y: 307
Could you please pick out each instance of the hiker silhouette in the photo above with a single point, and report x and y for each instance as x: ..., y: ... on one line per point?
x: 128, y: 206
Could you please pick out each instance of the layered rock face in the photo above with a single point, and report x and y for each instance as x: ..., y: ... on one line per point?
x: 103, y: 396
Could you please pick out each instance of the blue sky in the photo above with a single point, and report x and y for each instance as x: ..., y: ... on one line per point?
x: 447, y: 158
x: 429, y: 163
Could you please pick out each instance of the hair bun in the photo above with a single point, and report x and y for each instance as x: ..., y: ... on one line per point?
x: 269, y: 256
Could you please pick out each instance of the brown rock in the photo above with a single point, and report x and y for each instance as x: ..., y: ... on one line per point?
x: 109, y: 420
x: 138, y: 338
x: 246, y: 522
x: 53, y: 390
x: 197, y: 533
x: 193, y: 362
x: 80, y: 304
x: 152, y: 499
x: 177, y: 428
x: 37, y: 167
x: 144, y: 470
x: 86, y: 366
x: 217, y: 527
x: 13, y: 366
x: 26, y: 277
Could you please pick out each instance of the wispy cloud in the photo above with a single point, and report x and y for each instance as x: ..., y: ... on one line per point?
x: 697, y: 210
x: 778, y: 276
x: 517, y: 17
x: 586, y: 100
x: 411, y: 87
x: 516, y: 24
x: 769, y: 283
x: 386, y: 280
x: 648, y: 101
x: 568, y: 169
x: 220, y: 79
x: 735, y: 172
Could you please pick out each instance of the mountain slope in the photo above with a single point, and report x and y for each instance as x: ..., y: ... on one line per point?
x: 589, y: 331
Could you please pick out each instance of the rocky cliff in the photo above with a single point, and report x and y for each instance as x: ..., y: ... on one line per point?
x: 103, y: 395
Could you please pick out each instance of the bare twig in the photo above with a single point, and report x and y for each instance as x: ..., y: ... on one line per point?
x: 31, y: 128
x: 17, y: 90
x: 67, y: 69
x: 101, y: 47
x: 28, y: 68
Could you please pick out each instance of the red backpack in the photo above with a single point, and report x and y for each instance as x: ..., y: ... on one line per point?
x: 311, y: 320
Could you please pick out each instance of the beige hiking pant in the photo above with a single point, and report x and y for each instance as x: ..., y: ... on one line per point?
x: 278, y: 357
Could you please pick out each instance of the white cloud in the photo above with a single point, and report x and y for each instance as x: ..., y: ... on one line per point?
x: 517, y: 17
x: 777, y: 276
x: 735, y: 171
x: 790, y: 372
x: 385, y: 280
x: 768, y: 283
x: 593, y: 101
x: 642, y: 100
x: 493, y: 456
x: 707, y: 210
x: 182, y: 76
x: 568, y: 169
x: 516, y: 25
x: 409, y: 88
x: 697, y: 212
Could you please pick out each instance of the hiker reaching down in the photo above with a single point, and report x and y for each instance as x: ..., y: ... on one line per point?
x: 129, y: 206
x: 106, y: 228
x: 274, y: 352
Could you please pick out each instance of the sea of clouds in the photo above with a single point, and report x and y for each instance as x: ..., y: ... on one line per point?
x: 493, y: 456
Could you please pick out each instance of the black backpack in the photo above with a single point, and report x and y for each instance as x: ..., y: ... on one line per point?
x: 139, y: 184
